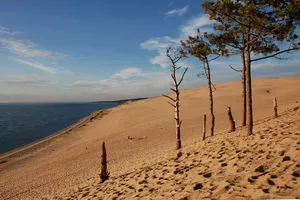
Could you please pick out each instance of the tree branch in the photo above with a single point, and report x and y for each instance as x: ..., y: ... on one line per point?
x: 214, y: 58
x: 176, y: 59
x: 273, y: 55
x: 234, y: 19
x: 213, y: 86
x: 237, y: 70
x: 174, y: 79
x: 169, y: 98
x: 260, y: 36
x: 171, y: 104
x: 177, y: 68
x: 182, y: 76
x: 173, y: 90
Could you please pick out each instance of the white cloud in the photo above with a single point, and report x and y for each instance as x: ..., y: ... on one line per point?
x: 38, y: 66
x: 178, y: 12
x: 184, y: 64
x: 191, y: 26
x: 161, y: 60
x: 28, y: 49
x: 128, y: 73
x: 160, y: 44
x: 5, y: 31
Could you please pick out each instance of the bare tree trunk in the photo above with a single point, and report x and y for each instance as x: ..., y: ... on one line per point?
x: 275, y: 114
x: 175, y: 89
x: 176, y: 110
x: 244, y: 117
x: 210, y: 99
x: 249, y: 87
x: 231, y: 120
x: 104, y: 174
x: 204, y: 126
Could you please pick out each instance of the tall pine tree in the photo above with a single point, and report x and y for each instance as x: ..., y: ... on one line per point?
x: 263, y: 28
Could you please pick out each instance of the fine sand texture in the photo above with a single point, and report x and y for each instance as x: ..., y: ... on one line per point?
x: 226, y: 166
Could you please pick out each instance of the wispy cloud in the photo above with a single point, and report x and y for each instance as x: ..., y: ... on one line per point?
x: 40, y: 66
x: 96, y: 83
x: 148, y: 86
x: 5, y: 31
x: 28, y: 49
x: 128, y: 73
x: 29, y: 53
x: 178, y: 12
x: 171, y: 3
x: 121, y: 82
x: 28, y: 80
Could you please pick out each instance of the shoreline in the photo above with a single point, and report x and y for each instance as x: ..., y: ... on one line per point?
x: 36, y: 145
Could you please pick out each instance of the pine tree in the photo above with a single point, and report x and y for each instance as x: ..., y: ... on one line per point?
x: 268, y: 27
x: 201, y: 48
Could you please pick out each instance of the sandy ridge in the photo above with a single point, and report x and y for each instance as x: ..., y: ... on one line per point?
x: 227, y: 166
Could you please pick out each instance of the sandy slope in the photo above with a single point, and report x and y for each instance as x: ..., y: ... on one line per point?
x: 227, y: 166
x: 73, y: 160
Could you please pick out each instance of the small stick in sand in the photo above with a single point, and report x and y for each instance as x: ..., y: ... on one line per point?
x: 104, y: 175
x: 231, y: 120
x: 275, y: 114
x: 204, y: 126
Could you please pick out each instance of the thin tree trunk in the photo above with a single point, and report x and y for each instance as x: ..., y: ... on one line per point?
x: 244, y: 117
x: 204, y: 126
x: 104, y: 175
x: 231, y: 120
x: 210, y: 99
x: 177, y: 116
x: 175, y: 101
x: 249, y: 87
x: 275, y: 114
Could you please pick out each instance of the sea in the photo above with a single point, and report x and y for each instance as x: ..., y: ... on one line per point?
x: 21, y: 124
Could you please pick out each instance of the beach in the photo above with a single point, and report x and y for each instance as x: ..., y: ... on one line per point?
x: 67, y: 164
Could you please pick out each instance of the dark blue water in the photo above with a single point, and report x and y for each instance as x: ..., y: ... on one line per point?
x: 21, y: 124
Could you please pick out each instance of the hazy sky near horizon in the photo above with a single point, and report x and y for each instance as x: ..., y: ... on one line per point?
x: 104, y: 50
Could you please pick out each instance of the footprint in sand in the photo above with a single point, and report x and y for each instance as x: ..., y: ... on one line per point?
x: 286, y: 158
x: 270, y: 182
x: 296, y: 173
x: 207, y: 175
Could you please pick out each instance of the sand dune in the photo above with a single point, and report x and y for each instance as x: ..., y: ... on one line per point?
x: 227, y: 166
x: 69, y: 165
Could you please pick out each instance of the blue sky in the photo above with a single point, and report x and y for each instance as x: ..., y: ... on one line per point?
x: 103, y: 50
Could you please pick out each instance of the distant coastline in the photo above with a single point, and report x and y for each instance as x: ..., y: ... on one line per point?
x: 33, y: 146
x: 5, y: 157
